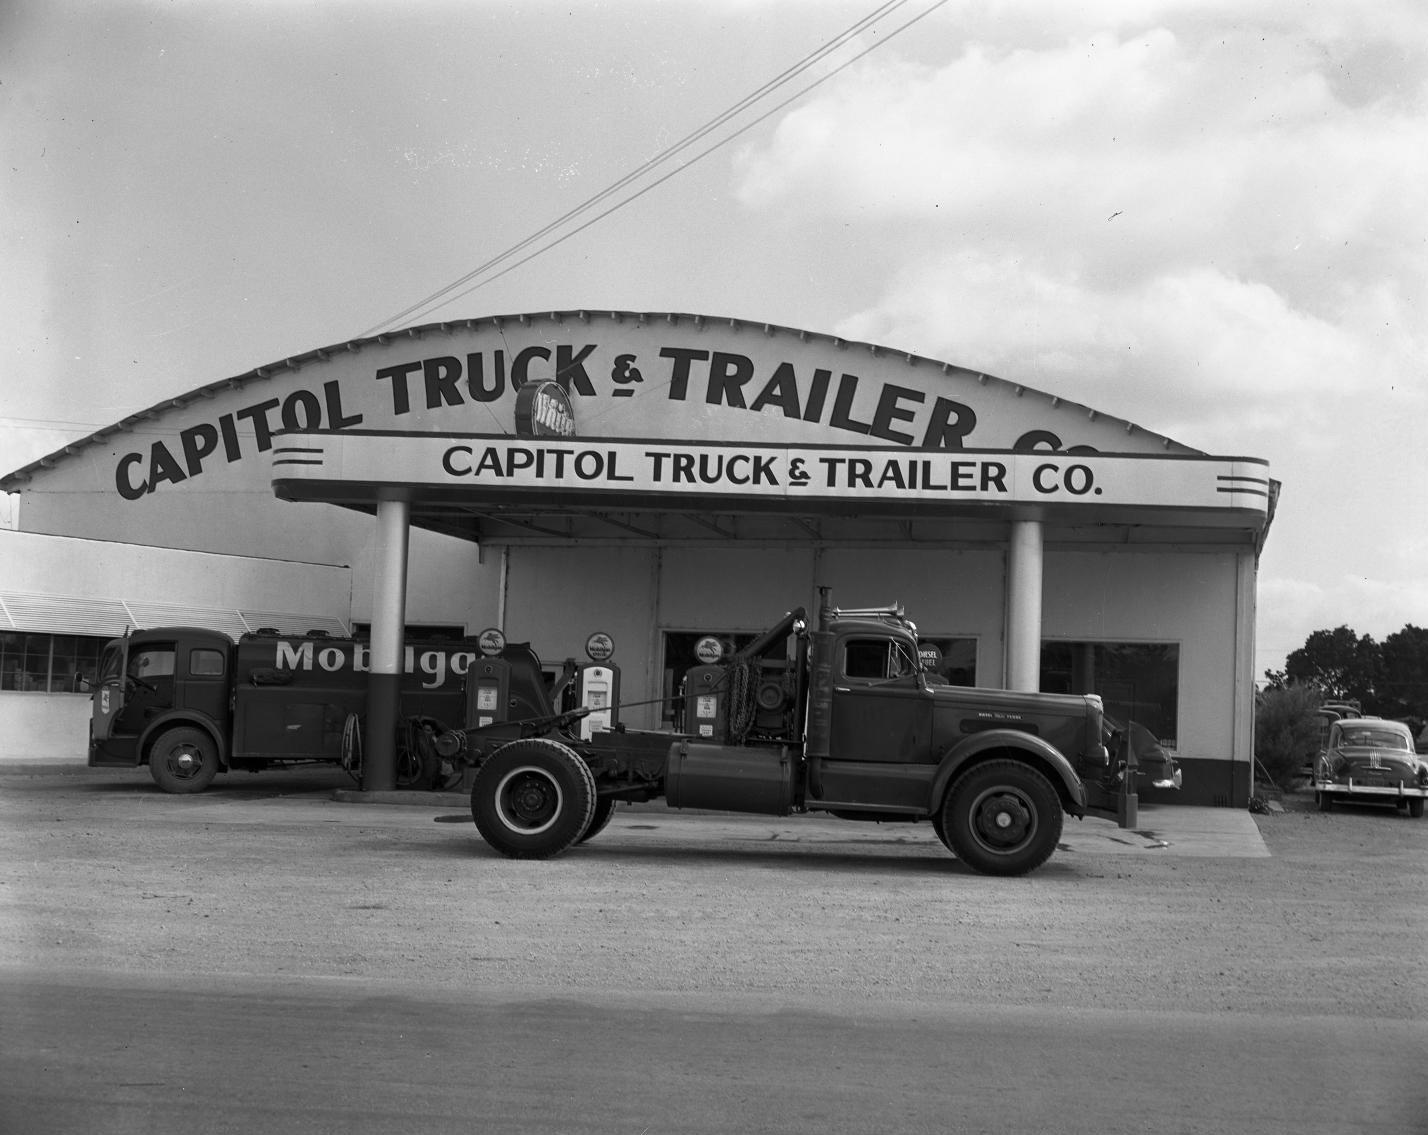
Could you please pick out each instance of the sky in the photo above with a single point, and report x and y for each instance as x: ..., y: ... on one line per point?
x: 1208, y: 217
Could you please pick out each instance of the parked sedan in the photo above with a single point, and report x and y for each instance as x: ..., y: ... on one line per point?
x: 1154, y: 763
x: 1371, y: 760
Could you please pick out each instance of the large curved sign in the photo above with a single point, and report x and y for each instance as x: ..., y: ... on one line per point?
x: 619, y: 375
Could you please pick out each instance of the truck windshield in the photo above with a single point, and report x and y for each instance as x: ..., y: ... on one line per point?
x: 109, y: 662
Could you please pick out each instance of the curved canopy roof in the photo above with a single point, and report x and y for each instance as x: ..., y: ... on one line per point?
x: 651, y: 382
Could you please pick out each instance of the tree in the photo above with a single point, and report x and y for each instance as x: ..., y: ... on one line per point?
x: 1403, y: 684
x: 1275, y: 679
x: 1286, y: 730
x: 1339, y: 662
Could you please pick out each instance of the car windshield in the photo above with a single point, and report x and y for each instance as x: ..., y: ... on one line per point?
x: 1375, y: 738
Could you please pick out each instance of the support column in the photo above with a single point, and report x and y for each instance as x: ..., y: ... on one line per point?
x: 1023, y: 649
x: 1242, y: 770
x: 389, y: 616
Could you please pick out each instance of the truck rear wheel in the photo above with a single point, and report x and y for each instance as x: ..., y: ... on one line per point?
x: 1002, y: 818
x: 604, y: 810
x: 533, y: 799
x: 183, y: 760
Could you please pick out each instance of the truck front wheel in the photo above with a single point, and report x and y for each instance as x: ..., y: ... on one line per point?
x: 533, y: 799
x: 1002, y: 818
x: 183, y: 760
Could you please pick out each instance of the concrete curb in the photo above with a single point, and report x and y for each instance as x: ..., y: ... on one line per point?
x: 402, y: 796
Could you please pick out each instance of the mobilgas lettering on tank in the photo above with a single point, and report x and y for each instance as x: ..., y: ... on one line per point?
x: 304, y: 698
x: 270, y: 658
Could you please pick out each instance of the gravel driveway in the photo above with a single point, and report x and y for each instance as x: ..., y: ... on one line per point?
x: 271, y: 875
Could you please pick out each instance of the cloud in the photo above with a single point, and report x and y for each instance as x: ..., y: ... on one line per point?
x: 1163, y: 352
x: 1201, y: 216
x: 1150, y: 220
x: 1290, y: 610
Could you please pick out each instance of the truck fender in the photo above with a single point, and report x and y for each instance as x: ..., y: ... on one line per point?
x: 177, y: 719
x: 1039, y: 753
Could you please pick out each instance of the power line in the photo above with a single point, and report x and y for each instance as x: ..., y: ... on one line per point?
x: 57, y: 425
x: 684, y: 143
x: 669, y: 152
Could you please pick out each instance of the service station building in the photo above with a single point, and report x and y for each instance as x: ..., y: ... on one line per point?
x: 656, y: 479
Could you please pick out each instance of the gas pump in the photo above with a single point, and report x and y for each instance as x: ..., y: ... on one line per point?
x: 706, y: 691
x: 596, y: 685
x: 488, y: 682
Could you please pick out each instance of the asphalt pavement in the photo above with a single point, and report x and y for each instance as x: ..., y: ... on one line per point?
x: 283, y: 954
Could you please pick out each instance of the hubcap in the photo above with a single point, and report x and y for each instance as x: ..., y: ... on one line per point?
x: 185, y: 762
x: 528, y: 801
x: 1003, y: 820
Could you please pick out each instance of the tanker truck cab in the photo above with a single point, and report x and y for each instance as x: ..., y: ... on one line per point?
x: 164, y: 698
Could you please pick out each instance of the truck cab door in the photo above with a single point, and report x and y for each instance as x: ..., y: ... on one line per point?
x: 881, y: 712
x: 107, y: 699
x: 880, y: 735
x: 148, y: 685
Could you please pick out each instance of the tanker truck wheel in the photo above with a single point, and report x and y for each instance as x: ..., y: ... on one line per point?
x: 183, y: 760
x: 1002, y: 818
x: 533, y: 799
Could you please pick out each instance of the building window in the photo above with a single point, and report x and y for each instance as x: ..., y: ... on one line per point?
x: 49, y: 663
x: 954, y: 658
x: 1138, y: 681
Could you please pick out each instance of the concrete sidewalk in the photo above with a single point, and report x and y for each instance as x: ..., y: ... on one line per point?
x: 1174, y: 830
